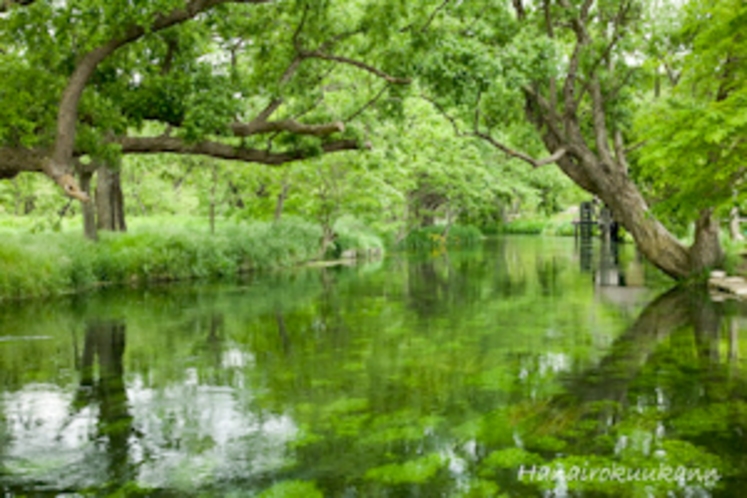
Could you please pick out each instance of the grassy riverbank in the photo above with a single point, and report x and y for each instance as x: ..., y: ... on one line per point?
x: 34, y: 265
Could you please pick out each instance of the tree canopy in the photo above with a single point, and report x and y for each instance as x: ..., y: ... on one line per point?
x: 636, y: 103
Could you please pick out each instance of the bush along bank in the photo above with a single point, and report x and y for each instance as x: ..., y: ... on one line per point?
x: 53, y: 264
x: 436, y: 236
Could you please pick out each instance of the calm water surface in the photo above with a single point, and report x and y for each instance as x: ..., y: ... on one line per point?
x: 519, y: 369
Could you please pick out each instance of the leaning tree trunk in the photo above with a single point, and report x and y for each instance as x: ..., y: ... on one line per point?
x: 654, y: 241
x: 608, y: 179
x: 571, y: 115
x: 109, y: 201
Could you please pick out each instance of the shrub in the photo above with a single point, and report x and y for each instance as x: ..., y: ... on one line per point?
x: 533, y: 226
x: 53, y: 263
x: 352, y: 234
x: 523, y: 227
x: 433, y: 236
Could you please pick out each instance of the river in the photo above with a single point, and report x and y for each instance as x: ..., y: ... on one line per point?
x: 526, y: 367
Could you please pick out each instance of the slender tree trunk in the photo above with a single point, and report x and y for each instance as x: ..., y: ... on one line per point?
x: 734, y: 230
x: 89, y: 212
x: 110, y: 201
x: 212, y: 198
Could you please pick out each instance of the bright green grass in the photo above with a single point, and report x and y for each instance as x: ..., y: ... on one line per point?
x: 153, y: 250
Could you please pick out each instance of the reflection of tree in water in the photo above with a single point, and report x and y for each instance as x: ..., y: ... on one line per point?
x: 668, y: 369
x: 437, y: 286
x: 104, y: 348
x: 548, y: 271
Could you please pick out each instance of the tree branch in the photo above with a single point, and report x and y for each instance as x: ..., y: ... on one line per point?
x: 434, y: 14
x: 258, y: 127
x: 59, y: 165
x: 622, y: 157
x: 599, y: 118
x: 16, y: 160
x: 367, y: 104
x: 157, y: 145
x: 556, y: 156
x: 317, y: 54
x: 582, y: 40
x: 445, y: 114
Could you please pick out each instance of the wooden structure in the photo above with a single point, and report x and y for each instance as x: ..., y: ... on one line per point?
x: 589, y: 218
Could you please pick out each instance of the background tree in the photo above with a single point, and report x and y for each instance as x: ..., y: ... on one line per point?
x: 242, y: 70
x: 558, y: 76
x: 693, y: 130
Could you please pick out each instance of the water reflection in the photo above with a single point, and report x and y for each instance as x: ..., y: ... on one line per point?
x: 104, y: 348
x: 434, y: 376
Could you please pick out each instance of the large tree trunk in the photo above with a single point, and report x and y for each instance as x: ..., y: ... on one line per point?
x: 109, y: 201
x: 706, y: 251
x: 58, y: 166
x: 89, y: 213
x: 604, y: 172
x: 654, y: 241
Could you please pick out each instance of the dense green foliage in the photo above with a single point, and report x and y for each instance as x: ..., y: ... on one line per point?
x: 693, y: 130
x: 443, y: 102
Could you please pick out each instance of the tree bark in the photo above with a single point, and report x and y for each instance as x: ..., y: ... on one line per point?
x: 654, y: 241
x: 164, y: 144
x: 109, y: 201
x: 58, y: 167
x: 89, y: 212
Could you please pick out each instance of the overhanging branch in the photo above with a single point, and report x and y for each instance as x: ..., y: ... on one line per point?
x: 174, y: 145
x: 554, y: 157
x: 318, y: 54
x: 258, y: 127
x: 59, y: 165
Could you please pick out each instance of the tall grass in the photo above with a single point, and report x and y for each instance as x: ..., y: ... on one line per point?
x: 58, y: 263
x: 537, y: 226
